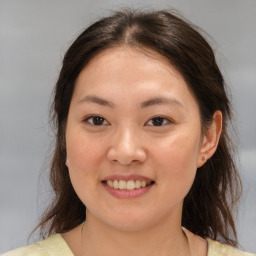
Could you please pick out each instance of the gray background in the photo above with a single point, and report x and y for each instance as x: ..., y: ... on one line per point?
x: 34, y: 35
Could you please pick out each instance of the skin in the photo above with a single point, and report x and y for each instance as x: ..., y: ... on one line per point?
x: 128, y: 141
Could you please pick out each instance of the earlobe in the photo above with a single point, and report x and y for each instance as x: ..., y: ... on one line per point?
x: 210, y: 140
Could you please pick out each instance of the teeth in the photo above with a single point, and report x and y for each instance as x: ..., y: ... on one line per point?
x: 128, y: 185
x: 110, y: 183
x: 137, y: 183
x: 143, y: 183
x: 115, y: 184
x: 122, y: 184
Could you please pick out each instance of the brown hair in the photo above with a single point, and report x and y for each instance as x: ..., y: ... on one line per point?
x: 208, y: 207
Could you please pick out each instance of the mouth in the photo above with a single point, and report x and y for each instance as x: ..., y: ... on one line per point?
x: 128, y: 185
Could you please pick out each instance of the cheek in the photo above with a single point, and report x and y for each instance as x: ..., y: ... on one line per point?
x: 177, y: 158
x: 83, y: 151
x: 83, y: 159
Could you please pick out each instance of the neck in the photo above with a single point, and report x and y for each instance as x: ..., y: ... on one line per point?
x: 163, y: 239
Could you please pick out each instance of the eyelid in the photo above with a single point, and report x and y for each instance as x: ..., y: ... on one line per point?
x: 169, y: 121
x: 105, y: 122
x: 85, y: 120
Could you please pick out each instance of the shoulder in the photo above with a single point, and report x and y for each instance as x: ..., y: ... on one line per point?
x: 52, y: 246
x: 217, y: 249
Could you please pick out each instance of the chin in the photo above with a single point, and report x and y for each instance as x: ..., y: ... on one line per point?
x: 129, y: 222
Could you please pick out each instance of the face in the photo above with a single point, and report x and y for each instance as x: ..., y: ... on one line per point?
x: 133, y: 139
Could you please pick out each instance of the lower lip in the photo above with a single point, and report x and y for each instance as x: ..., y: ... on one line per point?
x: 126, y: 194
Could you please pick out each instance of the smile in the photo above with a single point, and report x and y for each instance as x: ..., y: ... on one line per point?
x: 127, y: 187
x: 128, y: 184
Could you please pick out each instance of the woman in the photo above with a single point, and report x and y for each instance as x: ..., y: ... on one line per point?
x: 143, y: 162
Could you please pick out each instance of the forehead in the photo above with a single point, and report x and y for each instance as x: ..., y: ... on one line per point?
x: 130, y: 72
x: 125, y: 53
x: 126, y: 62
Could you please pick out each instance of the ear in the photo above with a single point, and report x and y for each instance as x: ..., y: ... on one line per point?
x: 210, y: 139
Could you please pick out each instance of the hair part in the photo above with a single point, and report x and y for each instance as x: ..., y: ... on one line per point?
x: 207, y: 209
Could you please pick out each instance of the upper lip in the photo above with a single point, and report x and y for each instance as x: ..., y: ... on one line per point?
x: 126, y: 177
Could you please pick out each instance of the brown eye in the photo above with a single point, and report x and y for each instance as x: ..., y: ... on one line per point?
x: 96, y: 120
x: 158, y: 121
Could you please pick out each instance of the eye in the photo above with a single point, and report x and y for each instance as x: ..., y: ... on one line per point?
x: 158, y: 121
x: 96, y: 120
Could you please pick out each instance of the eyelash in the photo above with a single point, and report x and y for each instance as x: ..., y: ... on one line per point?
x: 165, y: 120
x: 94, y: 116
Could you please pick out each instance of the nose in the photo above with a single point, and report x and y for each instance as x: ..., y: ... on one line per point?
x: 126, y: 148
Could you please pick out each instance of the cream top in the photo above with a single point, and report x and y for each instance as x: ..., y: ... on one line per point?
x: 55, y: 245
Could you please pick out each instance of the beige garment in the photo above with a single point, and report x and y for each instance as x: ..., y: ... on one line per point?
x: 55, y: 245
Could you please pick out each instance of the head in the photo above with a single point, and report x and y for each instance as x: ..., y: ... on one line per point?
x: 167, y: 41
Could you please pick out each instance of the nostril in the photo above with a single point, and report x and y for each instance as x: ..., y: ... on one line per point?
x: 124, y: 155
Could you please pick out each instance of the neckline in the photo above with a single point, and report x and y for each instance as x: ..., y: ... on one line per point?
x: 62, y: 243
x: 194, y: 240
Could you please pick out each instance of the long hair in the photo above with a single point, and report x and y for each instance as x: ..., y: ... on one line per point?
x: 208, y: 207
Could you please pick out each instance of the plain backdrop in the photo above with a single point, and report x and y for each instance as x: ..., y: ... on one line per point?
x: 34, y: 34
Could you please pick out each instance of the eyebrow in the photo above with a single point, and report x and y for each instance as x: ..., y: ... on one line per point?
x: 97, y: 100
x: 144, y: 104
x: 161, y: 101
